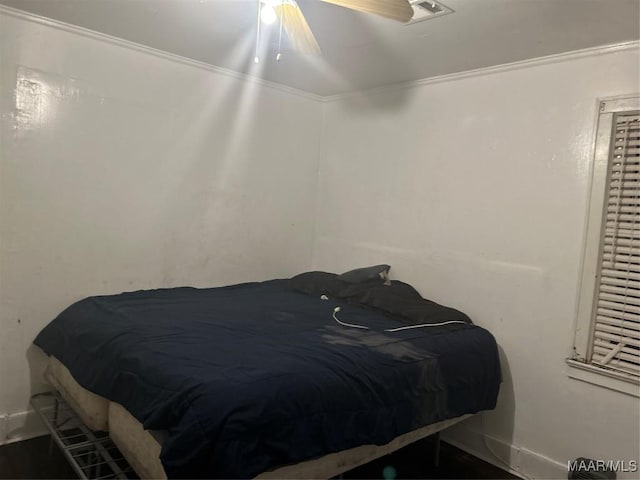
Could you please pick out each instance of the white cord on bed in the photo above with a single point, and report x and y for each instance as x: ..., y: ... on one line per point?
x: 337, y: 309
x: 424, y: 325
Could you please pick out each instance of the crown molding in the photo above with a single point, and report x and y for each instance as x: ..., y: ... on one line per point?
x: 506, y: 67
x: 546, y: 60
x: 103, y: 37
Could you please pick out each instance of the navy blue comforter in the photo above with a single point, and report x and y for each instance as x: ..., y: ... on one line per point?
x: 254, y: 376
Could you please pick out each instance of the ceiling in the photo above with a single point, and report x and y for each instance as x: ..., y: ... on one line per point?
x: 359, y: 51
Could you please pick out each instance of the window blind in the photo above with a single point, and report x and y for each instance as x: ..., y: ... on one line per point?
x: 615, y: 341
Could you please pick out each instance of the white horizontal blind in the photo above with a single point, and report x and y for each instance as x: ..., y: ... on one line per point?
x: 615, y: 340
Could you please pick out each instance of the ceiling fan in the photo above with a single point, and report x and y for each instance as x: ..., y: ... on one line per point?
x: 292, y: 20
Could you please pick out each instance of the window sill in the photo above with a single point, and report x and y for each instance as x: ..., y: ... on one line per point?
x: 604, y: 378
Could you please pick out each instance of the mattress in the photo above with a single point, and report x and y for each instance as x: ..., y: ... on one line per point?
x: 262, y: 371
x: 142, y: 447
x: 91, y: 408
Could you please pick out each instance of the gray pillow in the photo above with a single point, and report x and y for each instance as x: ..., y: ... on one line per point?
x: 367, y: 274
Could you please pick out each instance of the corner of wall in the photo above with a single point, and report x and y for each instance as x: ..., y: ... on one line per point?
x: 319, y: 159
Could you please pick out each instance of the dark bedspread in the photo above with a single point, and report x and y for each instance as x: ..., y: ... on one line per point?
x: 250, y: 377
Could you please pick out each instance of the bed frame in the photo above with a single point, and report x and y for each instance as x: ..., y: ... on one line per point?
x: 73, y: 415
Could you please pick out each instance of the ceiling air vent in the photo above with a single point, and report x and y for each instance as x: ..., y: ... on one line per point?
x: 426, y: 9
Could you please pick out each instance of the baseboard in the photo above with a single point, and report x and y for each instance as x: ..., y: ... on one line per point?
x: 20, y: 426
x: 516, y: 460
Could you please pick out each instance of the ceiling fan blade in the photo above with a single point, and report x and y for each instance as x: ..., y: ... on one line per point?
x: 297, y: 28
x: 400, y: 10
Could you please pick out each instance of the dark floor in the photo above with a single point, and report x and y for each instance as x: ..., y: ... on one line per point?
x: 416, y: 461
x: 31, y: 459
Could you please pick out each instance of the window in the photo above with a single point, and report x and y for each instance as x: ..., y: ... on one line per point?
x: 607, y: 339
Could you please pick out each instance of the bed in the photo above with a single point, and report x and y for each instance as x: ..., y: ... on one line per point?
x: 295, y: 378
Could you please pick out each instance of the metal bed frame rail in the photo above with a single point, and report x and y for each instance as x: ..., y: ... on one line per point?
x: 91, y: 454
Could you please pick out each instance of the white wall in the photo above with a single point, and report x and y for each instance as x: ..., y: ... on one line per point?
x: 475, y: 190
x: 123, y: 170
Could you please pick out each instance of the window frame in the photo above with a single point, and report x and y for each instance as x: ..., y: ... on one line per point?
x: 579, y: 367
